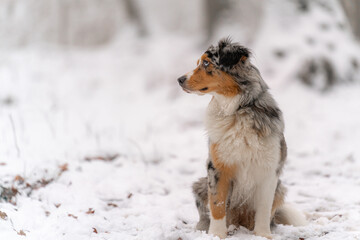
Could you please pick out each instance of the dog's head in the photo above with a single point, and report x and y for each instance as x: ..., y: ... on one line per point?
x: 221, y: 69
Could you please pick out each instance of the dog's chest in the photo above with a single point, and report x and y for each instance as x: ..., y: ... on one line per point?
x: 232, y: 134
x: 237, y: 141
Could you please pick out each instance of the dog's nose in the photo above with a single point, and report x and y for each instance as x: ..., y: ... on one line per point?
x: 182, y: 79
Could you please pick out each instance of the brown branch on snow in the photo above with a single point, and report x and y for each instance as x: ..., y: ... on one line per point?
x: 72, y: 215
x: 112, y: 205
x: 105, y: 158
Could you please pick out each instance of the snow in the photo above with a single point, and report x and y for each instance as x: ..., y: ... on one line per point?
x: 121, y: 144
x: 69, y: 106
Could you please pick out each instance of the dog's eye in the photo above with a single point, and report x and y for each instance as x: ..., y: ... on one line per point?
x: 205, y: 63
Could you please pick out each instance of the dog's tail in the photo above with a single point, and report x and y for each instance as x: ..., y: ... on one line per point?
x: 288, y: 215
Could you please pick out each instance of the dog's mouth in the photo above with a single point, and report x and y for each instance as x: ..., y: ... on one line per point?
x: 186, y: 90
x: 198, y: 91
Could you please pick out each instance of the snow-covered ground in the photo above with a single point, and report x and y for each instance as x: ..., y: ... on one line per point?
x: 103, y: 144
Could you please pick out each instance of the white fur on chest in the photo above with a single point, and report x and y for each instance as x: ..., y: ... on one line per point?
x: 237, y: 142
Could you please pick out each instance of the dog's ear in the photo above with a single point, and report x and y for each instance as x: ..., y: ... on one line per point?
x: 230, y: 54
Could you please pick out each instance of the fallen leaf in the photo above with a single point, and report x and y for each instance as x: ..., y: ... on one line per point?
x: 94, y: 230
x: 19, y: 178
x: 14, y: 190
x: 63, y: 167
x: 45, y: 182
x: 21, y: 232
x: 130, y: 195
x: 3, y: 215
x: 71, y: 215
x: 90, y: 211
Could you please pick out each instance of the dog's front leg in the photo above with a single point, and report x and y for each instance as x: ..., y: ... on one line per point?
x: 219, y: 179
x: 264, y: 197
x: 218, y: 191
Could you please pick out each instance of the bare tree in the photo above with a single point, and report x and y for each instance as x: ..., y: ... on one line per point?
x: 352, y: 10
x: 214, y: 9
x: 135, y: 16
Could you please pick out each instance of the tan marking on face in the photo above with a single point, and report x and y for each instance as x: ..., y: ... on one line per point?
x: 217, y: 201
x: 213, y: 79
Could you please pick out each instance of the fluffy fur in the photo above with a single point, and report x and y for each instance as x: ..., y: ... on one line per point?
x: 247, y: 149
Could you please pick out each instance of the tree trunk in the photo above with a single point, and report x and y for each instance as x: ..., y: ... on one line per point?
x: 352, y: 10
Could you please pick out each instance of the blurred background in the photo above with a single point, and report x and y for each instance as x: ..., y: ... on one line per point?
x: 92, y: 117
x: 322, y: 35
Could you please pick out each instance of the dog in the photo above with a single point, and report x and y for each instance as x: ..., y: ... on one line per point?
x: 247, y: 148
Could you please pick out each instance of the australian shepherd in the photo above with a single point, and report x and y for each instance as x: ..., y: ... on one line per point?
x: 247, y: 148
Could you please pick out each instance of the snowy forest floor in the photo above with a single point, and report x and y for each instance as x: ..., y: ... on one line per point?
x: 105, y: 145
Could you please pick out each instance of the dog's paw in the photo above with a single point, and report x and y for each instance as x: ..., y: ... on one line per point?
x: 203, y: 225
x: 218, y: 228
x: 263, y: 234
x: 221, y: 235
